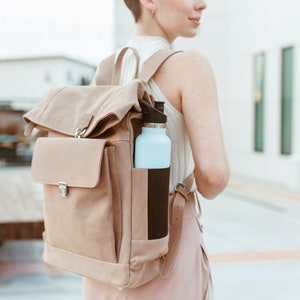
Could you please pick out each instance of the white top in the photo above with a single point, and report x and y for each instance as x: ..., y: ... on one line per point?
x: 182, y: 163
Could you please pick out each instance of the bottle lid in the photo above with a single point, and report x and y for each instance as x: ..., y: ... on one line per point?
x: 159, y: 105
x: 153, y: 114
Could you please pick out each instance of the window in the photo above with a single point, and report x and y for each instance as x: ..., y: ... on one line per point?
x: 47, y: 76
x: 69, y: 76
x: 287, y: 81
x: 84, y: 80
x: 259, y: 99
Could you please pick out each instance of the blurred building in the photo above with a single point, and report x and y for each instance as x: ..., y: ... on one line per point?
x: 25, y: 81
x: 254, y: 48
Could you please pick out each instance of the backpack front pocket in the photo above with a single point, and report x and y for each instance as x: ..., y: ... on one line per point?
x: 77, y: 195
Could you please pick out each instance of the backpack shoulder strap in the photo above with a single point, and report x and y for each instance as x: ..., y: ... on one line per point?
x: 152, y: 65
x: 182, y: 194
x: 109, y: 69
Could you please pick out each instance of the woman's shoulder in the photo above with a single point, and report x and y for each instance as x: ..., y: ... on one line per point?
x: 187, y: 64
x: 184, y: 73
x: 191, y: 55
x: 190, y: 60
x: 187, y: 69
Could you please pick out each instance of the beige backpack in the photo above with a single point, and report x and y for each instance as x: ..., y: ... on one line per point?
x: 101, y: 219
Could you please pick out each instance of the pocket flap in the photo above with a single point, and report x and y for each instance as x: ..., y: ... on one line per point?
x: 76, y: 162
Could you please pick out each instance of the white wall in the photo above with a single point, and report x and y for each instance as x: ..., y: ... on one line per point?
x: 256, y: 26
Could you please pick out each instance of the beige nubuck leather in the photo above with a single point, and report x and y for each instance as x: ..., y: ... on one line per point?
x: 96, y: 208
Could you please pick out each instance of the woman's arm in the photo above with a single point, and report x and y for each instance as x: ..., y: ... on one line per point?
x: 187, y: 80
x: 200, y: 109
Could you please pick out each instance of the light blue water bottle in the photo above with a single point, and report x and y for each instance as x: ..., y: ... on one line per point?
x: 153, y: 146
x: 153, y: 152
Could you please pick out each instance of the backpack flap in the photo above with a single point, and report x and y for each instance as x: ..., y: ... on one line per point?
x: 67, y: 162
x: 84, y: 108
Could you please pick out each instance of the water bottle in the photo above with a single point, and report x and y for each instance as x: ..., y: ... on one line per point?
x: 153, y: 152
x: 153, y: 146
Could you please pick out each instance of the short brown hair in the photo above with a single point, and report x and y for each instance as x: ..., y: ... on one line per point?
x: 134, y: 6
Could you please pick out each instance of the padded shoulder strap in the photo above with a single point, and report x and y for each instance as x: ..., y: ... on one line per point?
x: 151, y: 66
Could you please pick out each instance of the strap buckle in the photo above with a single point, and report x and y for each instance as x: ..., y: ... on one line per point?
x: 183, y: 189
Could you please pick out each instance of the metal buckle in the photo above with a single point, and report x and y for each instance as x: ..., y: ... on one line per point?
x: 63, y: 189
x: 79, y: 132
x: 183, y: 189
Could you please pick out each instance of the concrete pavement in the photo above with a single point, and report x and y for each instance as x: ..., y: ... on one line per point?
x: 25, y: 277
x: 252, y: 237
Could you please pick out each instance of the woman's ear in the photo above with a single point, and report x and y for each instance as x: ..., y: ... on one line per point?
x: 150, y: 5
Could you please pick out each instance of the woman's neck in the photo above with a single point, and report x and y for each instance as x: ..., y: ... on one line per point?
x: 146, y: 27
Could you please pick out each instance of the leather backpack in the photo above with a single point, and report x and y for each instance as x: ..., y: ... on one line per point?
x: 102, y: 220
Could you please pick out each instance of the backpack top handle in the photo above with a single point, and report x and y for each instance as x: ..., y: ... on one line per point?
x: 118, y: 64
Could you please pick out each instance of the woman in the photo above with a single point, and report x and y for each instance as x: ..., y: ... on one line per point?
x: 186, y: 83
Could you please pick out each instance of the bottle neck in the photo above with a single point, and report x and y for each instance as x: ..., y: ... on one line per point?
x: 154, y: 125
x: 149, y: 130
